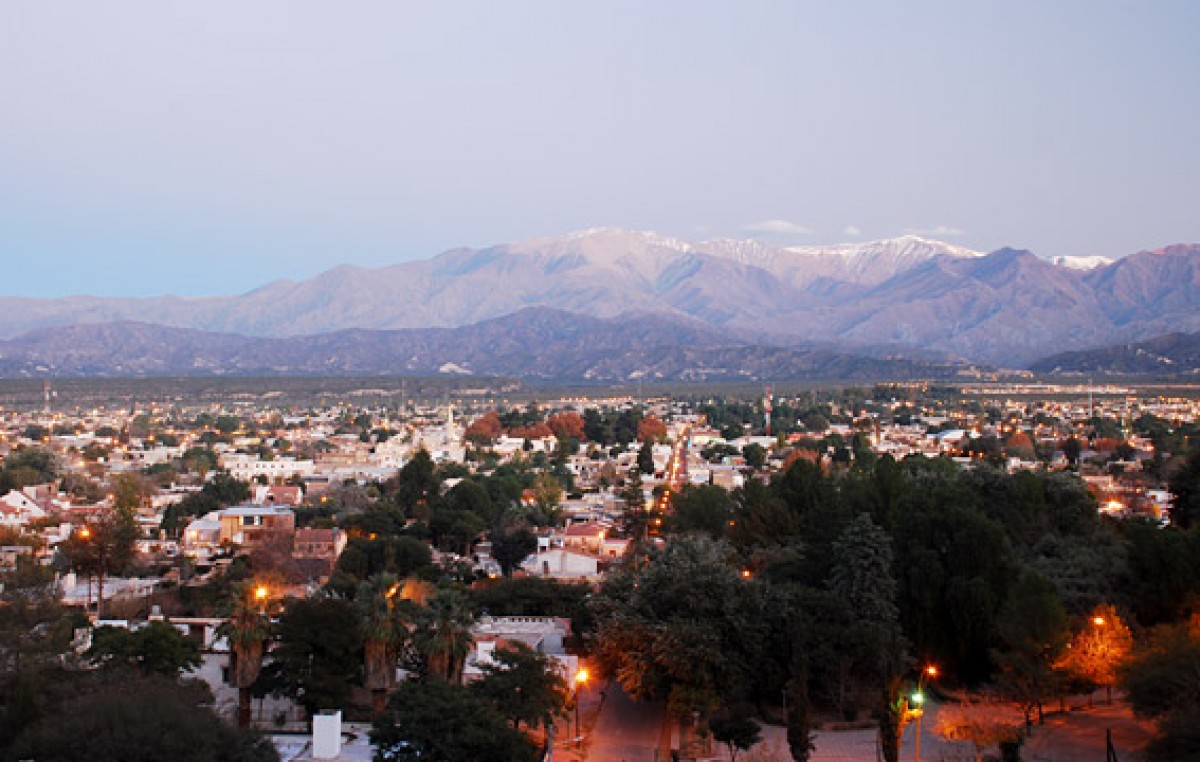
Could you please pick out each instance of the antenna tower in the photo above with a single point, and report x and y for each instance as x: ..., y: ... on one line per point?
x: 767, y: 409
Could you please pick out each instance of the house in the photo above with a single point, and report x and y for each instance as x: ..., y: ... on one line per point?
x: 237, y: 525
x: 562, y: 563
x: 544, y: 634
x: 277, y: 494
x: 17, y: 509
x: 587, y: 537
x: 317, y: 550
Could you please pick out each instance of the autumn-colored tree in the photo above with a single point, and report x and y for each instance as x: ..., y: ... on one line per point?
x: 651, y: 429
x: 484, y: 430
x: 533, y: 431
x: 1019, y: 445
x: 568, y: 425
x: 1099, y: 649
x: 980, y: 723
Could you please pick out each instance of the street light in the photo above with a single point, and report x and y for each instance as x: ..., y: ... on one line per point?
x: 918, y: 699
x: 581, y: 678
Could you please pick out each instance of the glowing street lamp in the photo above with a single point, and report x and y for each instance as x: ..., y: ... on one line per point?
x: 581, y: 678
x: 918, y: 700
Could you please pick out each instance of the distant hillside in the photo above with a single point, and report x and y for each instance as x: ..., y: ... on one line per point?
x: 1008, y: 307
x: 1175, y: 354
x: 534, y: 344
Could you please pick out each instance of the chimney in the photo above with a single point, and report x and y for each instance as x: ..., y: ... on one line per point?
x: 327, y: 735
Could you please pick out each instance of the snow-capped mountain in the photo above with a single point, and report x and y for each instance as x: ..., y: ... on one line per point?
x: 1007, y: 307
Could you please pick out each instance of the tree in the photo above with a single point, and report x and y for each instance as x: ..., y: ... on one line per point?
x: 547, y: 493
x: 523, y: 685
x: 443, y: 635
x: 755, y: 455
x: 1098, y: 650
x: 511, y: 545
x: 862, y: 577
x: 155, y: 649
x: 650, y: 430
x: 103, y: 545
x: 318, y: 655
x: 1163, y: 682
x: 437, y: 721
x: 29, y: 607
x: 645, y: 458
x: 139, y: 721
x: 1072, y: 448
x: 737, y: 730
x: 566, y: 426
x: 247, y: 629
x: 417, y: 484
x: 703, y: 508
x: 385, y: 618
x: 980, y: 724
x: 1185, y: 485
x: 484, y: 430
x: 1033, y: 629
x: 681, y: 627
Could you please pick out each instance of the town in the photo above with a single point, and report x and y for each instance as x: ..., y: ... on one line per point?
x: 343, y: 574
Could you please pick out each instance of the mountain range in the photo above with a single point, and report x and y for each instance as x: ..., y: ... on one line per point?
x: 1175, y: 354
x: 536, y: 344
x: 919, y: 300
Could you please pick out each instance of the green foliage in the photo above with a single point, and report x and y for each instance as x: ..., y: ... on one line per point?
x: 417, y: 484
x: 523, y: 685
x: 138, y: 721
x: 319, y: 652
x: 1033, y: 633
x: 737, y: 730
x: 755, y: 455
x: 511, y: 545
x: 155, y: 649
x: 861, y: 577
x: 534, y: 596
x: 703, y: 509
x: 27, y: 466
x: 645, y: 458
x: 683, y: 627
x: 441, y: 722
x: 1164, y: 676
x: 29, y: 609
x: 1185, y: 485
x: 443, y: 634
x: 400, y: 556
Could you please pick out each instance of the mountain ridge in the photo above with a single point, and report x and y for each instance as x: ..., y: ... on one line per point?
x: 1008, y: 307
x: 536, y: 344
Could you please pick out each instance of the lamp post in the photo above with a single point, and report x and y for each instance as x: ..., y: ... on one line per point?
x: 98, y: 545
x: 581, y: 678
x: 918, y: 699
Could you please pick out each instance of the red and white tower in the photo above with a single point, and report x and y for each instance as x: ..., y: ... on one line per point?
x: 767, y: 409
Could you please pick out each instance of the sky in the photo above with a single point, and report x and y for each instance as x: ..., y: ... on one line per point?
x: 208, y: 148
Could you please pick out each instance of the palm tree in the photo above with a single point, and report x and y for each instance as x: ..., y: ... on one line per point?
x: 248, y: 629
x: 445, y: 636
x: 385, y: 627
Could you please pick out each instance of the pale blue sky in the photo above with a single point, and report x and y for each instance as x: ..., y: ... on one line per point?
x: 195, y: 148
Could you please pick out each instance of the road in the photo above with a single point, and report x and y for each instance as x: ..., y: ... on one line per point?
x: 618, y: 729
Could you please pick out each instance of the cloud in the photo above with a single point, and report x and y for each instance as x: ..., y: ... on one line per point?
x: 778, y: 227
x: 940, y: 230
x: 852, y: 231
